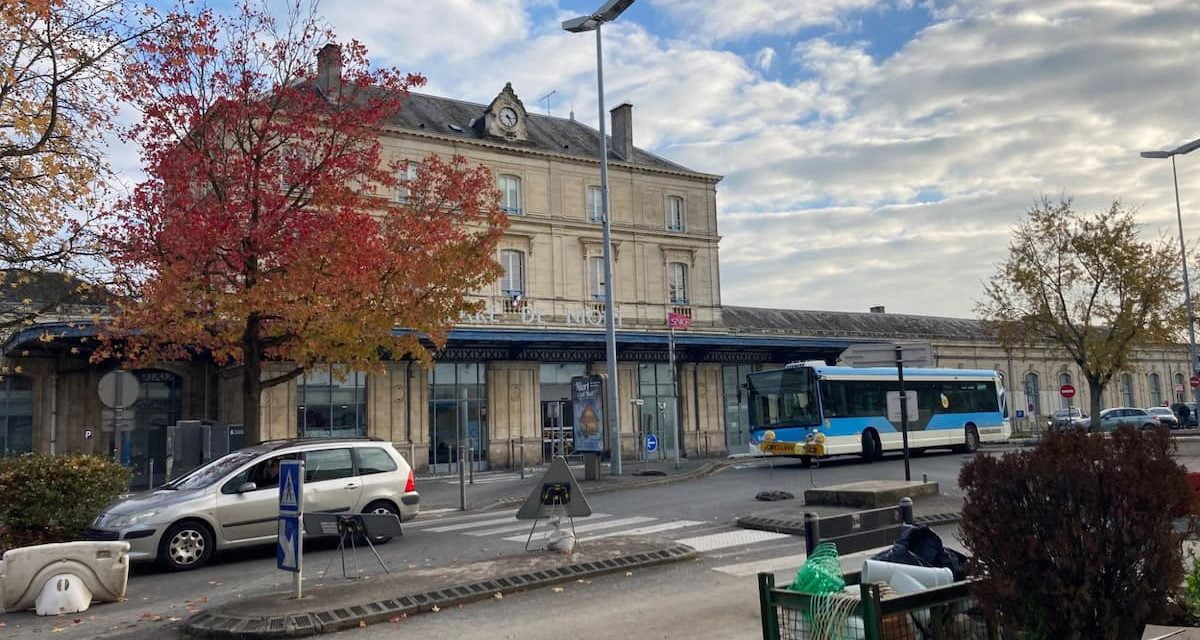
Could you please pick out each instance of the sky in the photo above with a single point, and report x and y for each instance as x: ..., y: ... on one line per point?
x: 873, y: 152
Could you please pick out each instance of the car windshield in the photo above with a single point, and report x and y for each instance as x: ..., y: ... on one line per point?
x: 1161, y: 410
x: 212, y: 472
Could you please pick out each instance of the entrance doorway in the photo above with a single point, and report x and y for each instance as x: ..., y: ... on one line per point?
x: 458, y: 415
x: 659, y: 413
x: 737, y: 407
x: 558, y: 416
x: 143, y: 448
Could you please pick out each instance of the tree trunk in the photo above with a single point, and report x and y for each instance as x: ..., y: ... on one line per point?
x: 1095, y: 395
x: 251, y: 383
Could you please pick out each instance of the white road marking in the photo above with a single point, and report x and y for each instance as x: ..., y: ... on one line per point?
x: 523, y: 524
x: 432, y: 512
x: 654, y: 528
x: 595, y: 525
x: 472, y: 525
x: 729, y: 539
x: 433, y: 522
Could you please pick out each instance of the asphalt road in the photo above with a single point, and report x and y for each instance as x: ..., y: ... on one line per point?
x: 714, y: 596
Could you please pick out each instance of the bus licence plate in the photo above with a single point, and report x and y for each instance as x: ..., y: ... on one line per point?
x: 814, y: 449
x: 779, y: 447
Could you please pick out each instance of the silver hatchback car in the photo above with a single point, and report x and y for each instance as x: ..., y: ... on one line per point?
x: 233, y: 501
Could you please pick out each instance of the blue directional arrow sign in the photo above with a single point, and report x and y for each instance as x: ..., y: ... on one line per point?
x: 651, y: 443
x: 287, y: 552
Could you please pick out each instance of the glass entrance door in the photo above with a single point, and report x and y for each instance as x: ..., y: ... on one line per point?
x: 458, y: 415
x: 659, y: 413
x: 737, y: 407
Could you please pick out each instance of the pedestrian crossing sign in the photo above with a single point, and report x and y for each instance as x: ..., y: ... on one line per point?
x: 291, y: 486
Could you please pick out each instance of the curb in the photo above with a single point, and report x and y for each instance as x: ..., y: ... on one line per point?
x: 213, y: 624
x: 795, y: 526
x: 708, y: 468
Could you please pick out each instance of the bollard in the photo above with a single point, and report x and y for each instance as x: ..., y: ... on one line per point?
x: 812, y: 532
x: 412, y: 454
x: 924, y: 477
x: 150, y: 473
x: 522, y: 444
x: 471, y: 456
x: 906, y: 510
x: 462, y: 480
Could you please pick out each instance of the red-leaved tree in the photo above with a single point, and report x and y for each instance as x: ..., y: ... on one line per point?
x: 271, y: 227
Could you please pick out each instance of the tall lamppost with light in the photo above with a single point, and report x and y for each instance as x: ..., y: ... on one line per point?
x: 592, y: 22
x: 1187, y: 289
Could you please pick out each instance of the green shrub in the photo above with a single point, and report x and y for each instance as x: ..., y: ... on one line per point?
x: 1076, y: 534
x: 54, y: 498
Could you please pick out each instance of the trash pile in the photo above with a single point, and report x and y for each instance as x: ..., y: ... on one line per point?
x: 916, y: 561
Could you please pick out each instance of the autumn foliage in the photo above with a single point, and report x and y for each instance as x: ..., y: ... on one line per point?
x: 1076, y: 536
x: 274, y: 225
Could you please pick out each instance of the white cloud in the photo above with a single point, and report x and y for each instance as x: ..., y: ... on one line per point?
x: 731, y: 19
x: 765, y: 58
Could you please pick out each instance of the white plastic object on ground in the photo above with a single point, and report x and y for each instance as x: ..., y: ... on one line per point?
x: 63, y: 593
x: 102, y: 567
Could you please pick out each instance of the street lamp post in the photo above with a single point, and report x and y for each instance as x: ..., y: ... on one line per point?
x: 1187, y: 289
x: 592, y: 22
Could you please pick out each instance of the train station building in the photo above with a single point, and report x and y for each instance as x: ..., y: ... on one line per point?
x: 502, y: 379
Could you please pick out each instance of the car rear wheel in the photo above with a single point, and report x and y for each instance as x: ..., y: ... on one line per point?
x: 382, y: 507
x: 185, y: 546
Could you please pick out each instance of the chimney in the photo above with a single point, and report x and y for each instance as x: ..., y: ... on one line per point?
x: 329, y: 70
x: 622, y: 130
x: 877, y: 309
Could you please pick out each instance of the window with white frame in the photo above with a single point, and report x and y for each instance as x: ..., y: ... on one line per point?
x: 1156, y: 398
x: 512, y: 283
x: 595, y: 204
x: 674, y: 213
x: 595, y: 276
x: 1126, y: 390
x: 677, y: 283
x: 407, y: 174
x: 510, y: 194
x: 1180, y: 396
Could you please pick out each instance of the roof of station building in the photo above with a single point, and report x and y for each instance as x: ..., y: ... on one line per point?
x: 550, y: 134
x: 845, y: 324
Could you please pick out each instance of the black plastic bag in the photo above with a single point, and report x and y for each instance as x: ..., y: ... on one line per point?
x: 918, y: 545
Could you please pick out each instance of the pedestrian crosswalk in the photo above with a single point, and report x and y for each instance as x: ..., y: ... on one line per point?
x: 730, y: 548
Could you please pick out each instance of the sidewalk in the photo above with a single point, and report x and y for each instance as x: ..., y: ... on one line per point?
x: 495, y: 489
x: 346, y: 604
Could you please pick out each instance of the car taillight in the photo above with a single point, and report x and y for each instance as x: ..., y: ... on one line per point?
x: 411, y: 485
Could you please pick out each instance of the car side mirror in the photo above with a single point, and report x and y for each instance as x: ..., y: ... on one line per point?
x: 247, y: 486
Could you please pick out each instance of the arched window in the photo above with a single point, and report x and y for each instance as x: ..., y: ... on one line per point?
x: 1064, y: 378
x: 1126, y: 390
x: 1033, y: 397
x: 332, y: 408
x: 16, y: 421
x: 1156, y: 397
x: 1180, y: 394
x: 510, y: 194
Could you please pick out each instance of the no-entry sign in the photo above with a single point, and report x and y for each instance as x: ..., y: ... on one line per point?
x: 1067, y: 391
x: 1195, y: 381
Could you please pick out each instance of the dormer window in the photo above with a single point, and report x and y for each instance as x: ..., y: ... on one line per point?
x: 510, y: 194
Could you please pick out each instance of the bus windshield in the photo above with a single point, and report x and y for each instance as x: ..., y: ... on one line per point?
x: 783, y: 398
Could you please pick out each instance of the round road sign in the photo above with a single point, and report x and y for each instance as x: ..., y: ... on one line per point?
x: 1066, y: 391
x: 118, y: 389
x: 1195, y: 381
x: 651, y: 443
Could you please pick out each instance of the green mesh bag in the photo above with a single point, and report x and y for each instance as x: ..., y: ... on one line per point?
x: 821, y: 572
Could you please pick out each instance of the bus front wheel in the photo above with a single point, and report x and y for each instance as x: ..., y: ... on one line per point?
x: 872, y: 450
x: 971, y: 444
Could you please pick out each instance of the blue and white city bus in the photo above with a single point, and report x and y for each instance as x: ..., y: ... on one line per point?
x: 814, y: 410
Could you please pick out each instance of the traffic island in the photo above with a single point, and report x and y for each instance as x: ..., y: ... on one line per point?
x: 869, y: 494
x: 340, y: 604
